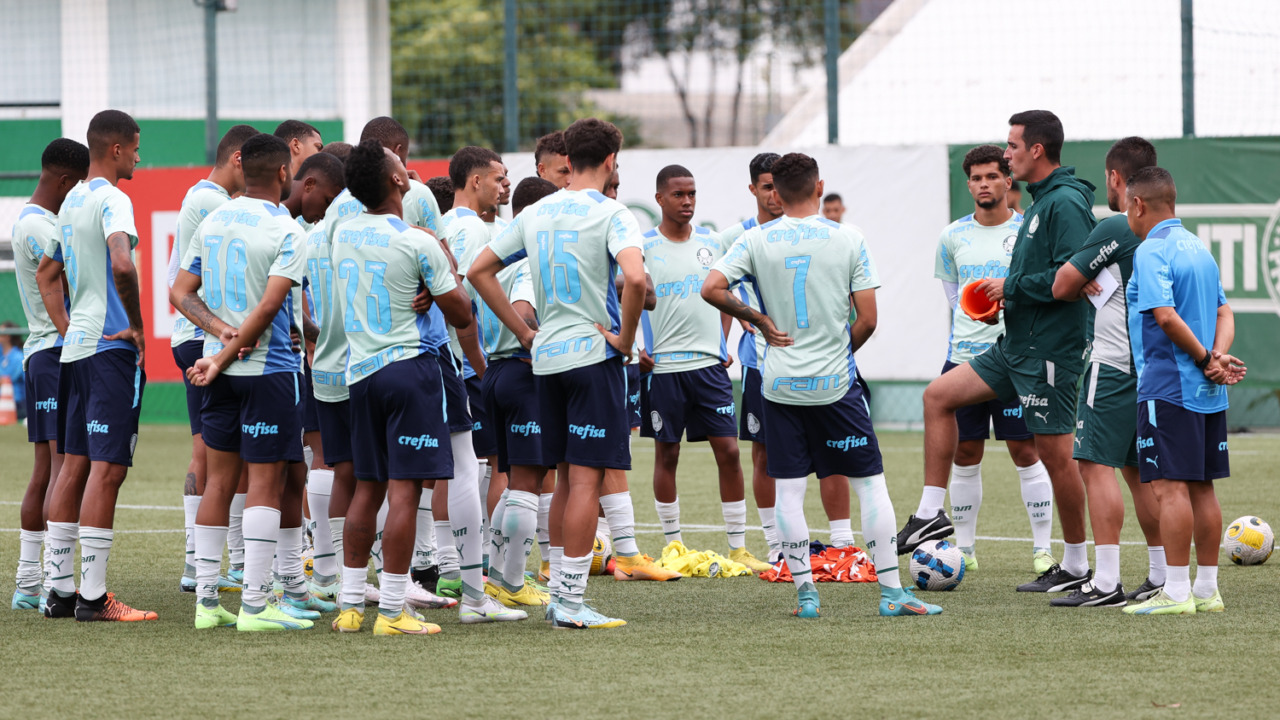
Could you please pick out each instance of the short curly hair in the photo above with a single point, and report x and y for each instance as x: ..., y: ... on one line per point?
x: 367, y: 172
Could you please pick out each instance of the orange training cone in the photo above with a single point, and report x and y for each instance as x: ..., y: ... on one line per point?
x: 976, y: 304
x: 8, y: 410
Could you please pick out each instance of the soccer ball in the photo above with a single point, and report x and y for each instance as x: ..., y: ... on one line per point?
x: 1249, y: 541
x: 602, y: 555
x: 937, y: 565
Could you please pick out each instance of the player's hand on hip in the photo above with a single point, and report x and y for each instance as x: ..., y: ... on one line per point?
x: 615, y: 342
x: 134, y: 336
x: 772, y: 334
x: 728, y: 360
x: 526, y: 338
x: 994, y: 289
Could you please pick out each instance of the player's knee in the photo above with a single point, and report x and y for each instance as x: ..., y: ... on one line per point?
x: 969, y: 453
x: 1024, y: 454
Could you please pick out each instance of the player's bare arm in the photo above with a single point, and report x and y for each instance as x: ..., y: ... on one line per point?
x: 206, y: 369
x: 1070, y: 284
x: 469, y: 339
x: 634, y: 281
x: 185, y: 296
x: 650, y: 293
x: 126, y: 281
x: 1176, y: 328
x: 715, y: 290
x: 49, y: 281
x: 483, y: 276
x: 864, y: 325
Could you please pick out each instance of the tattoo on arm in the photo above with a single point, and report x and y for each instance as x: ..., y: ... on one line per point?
x: 126, y: 282
x: 200, y: 314
x: 730, y: 304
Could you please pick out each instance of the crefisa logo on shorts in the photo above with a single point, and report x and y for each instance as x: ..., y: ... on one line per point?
x: 258, y: 429
x: 586, y: 431
x: 853, y: 441
x: 93, y: 426
x: 419, y: 442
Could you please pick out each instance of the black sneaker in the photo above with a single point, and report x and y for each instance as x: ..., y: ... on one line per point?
x: 1056, y: 580
x: 1144, y: 591
x: 426, y: 578
x: 918, y: 530
x: 57, y: 606
x: 1089, y: 596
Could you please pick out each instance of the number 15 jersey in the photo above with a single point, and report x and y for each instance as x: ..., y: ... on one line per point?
x: 572, y: 239
x: 805, y: 269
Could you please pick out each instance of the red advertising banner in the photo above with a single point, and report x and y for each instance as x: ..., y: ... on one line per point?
x: 157, y: 196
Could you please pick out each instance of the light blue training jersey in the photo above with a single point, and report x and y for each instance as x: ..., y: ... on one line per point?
x: 682, y: 332
x: 32, y: 233
x: 203, y: 198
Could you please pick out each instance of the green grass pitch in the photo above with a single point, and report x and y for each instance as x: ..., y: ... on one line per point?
x: 696, y: 648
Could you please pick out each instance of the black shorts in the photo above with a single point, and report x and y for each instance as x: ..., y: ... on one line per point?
x: 41, y: 384
x: 185, y: 356
x: 835, y: 439
x: 694, y: 403
x: 310, y: 421
x: 483, y: 433
x: 398, y: 423
x: 633, y: 395
x: 100, y: 399
x: 335, y: 430
x: 1175, y: 443
x: 584, y: 416
x: 457, y: 404
x: 255, y: 416
x: 511, y: 399
x: 975, y: 421
x: 751, y: 414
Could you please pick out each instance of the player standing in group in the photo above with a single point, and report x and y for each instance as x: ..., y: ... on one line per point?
x: 303, y: 140
x: 1181, y: 330
x: 245, y: 260
x: 689, y: 389
x: 187, y: 340
x: 575, y: 239
x: 552, y: 159
x: 396, y: 395
x: 808, y: 269
x: 1039, y: 359
x: 976, y: 247
x: 833, y: 207
x: 63, y: 165
x: 101, y: 376
x: 1106, y: 426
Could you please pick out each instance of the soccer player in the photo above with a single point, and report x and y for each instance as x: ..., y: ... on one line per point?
x: 395, y: 388
x: 1181, y: 330
x: 1106, y: 426
x: 101, y: 377
x: 420, y: 208
x: 1039, y: 359
x: 442, y: 188
x: 63, y: 165
x: 973, y: 248
x: 807, y: 270
x: 187, y: 341
x: 247, y: 248
x: 689, y: 390
x: 303, y: 139
x: 552, y: 158
x: 611, y: 187
x: 575, y: 239
x: 338, y: 149
x: 833, y: 207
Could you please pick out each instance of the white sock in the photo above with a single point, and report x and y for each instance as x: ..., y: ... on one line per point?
x: 95, y: 549
x: 573, y: 578
x: 392, y: 589
x: 1075, y: 559
x: 1177, y: 584
x: 235, y: 530
x: 669, y: 516
x: 621, y: 515
x: 47, y: 584
x: 966, y: 501
x: 62, y: 565
x: 496, y: 541
x: 1155, y: 564
x: 30, y: 545
x: 879, y: 528
x: 319, y: 488
x: 735, y: 522
x: 353, y: 580
x: 931, y: 499
x: 207, y: 557
x: 190, y: 505
x: 841, y: 533
x: 484, y: 476
x: 337, y: 525
x: 1206, y: 581
x: 556, y: 585
x: 375, y: 551
x: 1106, y: 560
x: 543, y: 530
x: 1037, y: 495
x: 424, y: 536
x: 465, y: 511
x: 769, y: 523
x: 446, y: 551
x: 261, y: 530
x: 517, y: 528
x: 289, y: 561
x: 794, y: 530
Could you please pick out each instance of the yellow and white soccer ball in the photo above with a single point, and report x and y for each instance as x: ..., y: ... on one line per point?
x: 602, y: 554
x: 1249, y: 541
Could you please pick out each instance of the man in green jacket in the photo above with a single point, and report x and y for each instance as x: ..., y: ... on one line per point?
x: 1039, y: 358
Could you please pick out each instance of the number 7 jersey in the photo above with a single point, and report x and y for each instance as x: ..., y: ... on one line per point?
x: 572, y: 239
x: 804, y: 270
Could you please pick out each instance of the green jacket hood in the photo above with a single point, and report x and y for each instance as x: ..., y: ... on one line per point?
x: 1063, y: 177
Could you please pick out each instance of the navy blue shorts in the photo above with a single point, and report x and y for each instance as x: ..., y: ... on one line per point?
x: 835, y: 439
x: 255, y: 416
x: 483, y: 433
x: 751, y: 415
x: 398, y: 425
x: 646, y: 429
x: 584, y: 416
x: 185, y: 356
x: 694, y: 403
x: 975, y: 421
x: 633, y: 395
x: 100, y: 398
x: 335, y: 430
x: 310, y: 421
x: 1175, y: 443
x: 41, y: 384
x: 457, y: 404
x: 511, y: 398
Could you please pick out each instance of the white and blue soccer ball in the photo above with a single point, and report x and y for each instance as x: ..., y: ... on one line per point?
x: 1248, y: 541
x: 937, y: 565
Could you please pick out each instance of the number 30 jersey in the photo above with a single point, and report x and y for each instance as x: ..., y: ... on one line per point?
x: 572, y: 239
x: 235, y: 250
x: 379, y: 264
x: 805, y: 269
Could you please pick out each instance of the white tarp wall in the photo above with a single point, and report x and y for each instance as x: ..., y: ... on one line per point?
x: 898, y: 196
